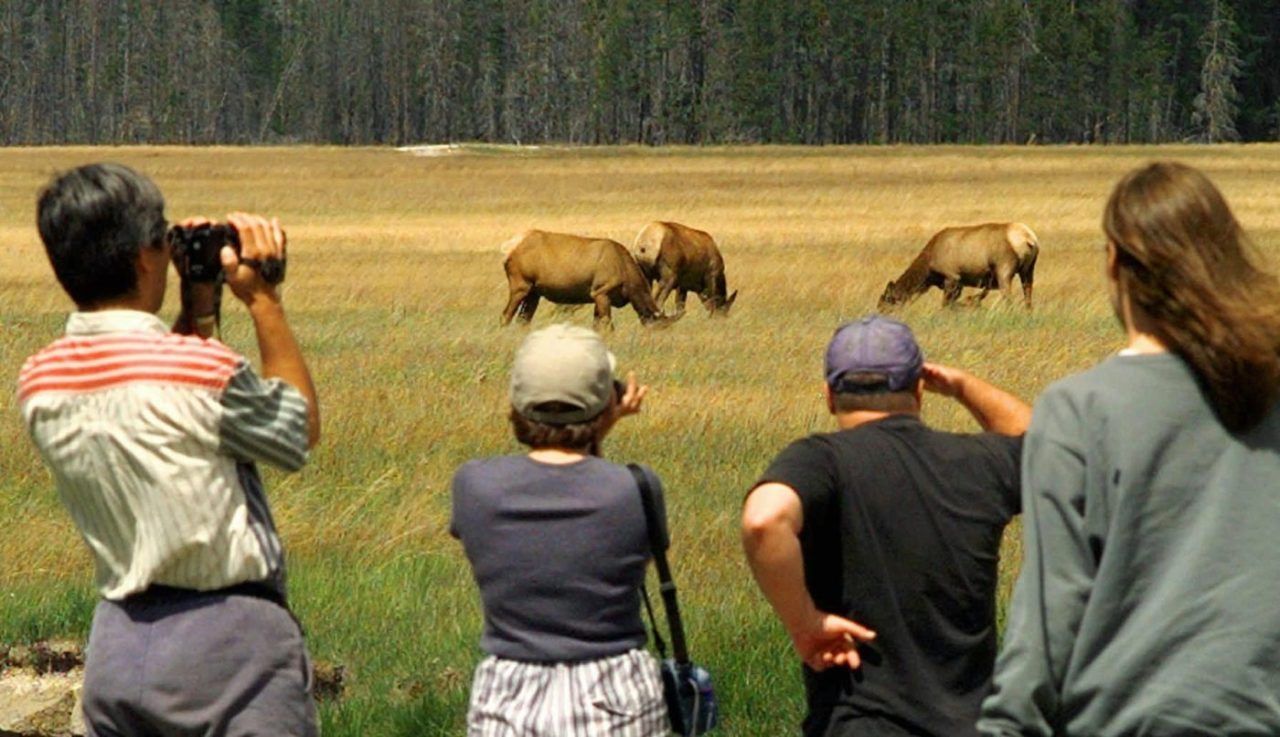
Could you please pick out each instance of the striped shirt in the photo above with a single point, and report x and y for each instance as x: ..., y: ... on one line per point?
x: 151, y: 438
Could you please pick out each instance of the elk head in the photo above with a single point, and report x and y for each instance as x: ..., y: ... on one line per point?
x: 891, y: 296
x: 661, y: 320
x: 719, y: 306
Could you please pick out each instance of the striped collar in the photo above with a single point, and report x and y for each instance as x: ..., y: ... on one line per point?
x: 114, y: 321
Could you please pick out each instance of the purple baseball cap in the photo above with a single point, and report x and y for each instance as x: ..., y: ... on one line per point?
x: 873, y: 354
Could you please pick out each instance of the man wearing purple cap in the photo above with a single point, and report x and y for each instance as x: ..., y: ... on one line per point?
x: 877, y: 545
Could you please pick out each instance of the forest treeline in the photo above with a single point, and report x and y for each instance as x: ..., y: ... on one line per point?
x: 638, y: 71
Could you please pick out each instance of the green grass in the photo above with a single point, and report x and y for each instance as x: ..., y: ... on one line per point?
x: 43, y: 611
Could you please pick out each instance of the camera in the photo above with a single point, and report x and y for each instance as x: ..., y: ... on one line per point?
x: 690, y: 697
x: 196, y: 251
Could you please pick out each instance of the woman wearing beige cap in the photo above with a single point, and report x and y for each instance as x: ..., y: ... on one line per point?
x: 558, y: 545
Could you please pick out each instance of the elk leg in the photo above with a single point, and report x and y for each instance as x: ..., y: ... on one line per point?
x: 1027, y: 274
x: 1006, y: 285
x: 604, y: 319
x: 518, y: 293
x: 681, y: 296
x: 951, y: 289
x: 600, y: 296
x: 1026, y: 277
x: 985, y: 289
x: 665, y: 286
x: 529, y: 306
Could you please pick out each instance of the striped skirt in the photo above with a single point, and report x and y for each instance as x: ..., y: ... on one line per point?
x: 619, y: 696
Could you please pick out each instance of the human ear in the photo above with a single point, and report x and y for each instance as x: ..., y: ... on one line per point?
x: 1113, y: 262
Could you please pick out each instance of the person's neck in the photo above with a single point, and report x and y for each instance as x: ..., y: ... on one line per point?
x: 1144, y: 344
x: 1141, y: 331
x: 850, y: 420
x: 131, y: 302
x: 557, y: 456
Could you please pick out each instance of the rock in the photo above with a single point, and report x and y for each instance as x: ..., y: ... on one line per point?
x: 46, y: 656
x: 328, y: 681
x: 46, y: 705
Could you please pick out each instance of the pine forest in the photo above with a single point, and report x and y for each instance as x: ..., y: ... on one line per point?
x: 652, y: 72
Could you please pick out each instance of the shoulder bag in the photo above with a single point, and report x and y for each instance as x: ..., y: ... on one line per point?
x: 691, y: 700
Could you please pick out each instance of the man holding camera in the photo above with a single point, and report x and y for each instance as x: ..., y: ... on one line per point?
x: 877, y: 545
x: 152, y: 437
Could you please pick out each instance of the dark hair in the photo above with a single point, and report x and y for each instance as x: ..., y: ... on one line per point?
x: 580, y: 436
x: 93, y: 220
x: 868, y: 391
x: 875, y: 401
x: 1184, y: 259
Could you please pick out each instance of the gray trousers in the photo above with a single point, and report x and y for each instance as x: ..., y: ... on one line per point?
x: 197, y: 665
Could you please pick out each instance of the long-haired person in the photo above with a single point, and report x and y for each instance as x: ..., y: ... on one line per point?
x: 557, y: 542
x: 1149, y: 598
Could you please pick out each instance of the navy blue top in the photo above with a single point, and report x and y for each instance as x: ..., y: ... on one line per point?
x: 558, y: 553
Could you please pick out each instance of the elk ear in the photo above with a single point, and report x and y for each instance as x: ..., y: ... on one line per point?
x: 721, y: 309
x: 886, y: 298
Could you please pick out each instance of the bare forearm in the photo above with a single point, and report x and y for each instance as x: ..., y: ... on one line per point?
x: 282, y: 357
x: 995, y: 409
x: 772, y: 520
x: 198, y: 318
x: 773, y: 553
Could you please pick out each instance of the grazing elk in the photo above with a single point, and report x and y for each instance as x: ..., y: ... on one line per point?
x: 685, y: 259
x: 981, y: 256
x: 571, y: 269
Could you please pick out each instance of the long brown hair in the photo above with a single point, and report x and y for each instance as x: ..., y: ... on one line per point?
x: 1185, y: 260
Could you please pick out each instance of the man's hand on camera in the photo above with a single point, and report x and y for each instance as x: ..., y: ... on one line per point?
x: 203, y: 295
x: 260, y: 239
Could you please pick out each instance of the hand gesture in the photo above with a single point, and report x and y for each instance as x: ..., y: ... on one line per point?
x: 944, y: 380
x: 828, y: 640
x: 631, y: 396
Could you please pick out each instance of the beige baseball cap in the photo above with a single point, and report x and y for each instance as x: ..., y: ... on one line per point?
x: 565, y: 364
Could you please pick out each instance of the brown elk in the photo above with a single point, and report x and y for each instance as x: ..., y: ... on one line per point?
x: 685, y: 259
x: 571, y: 269
x: 984, y: 256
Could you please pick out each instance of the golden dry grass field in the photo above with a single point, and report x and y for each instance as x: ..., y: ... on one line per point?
x: 395, y: 287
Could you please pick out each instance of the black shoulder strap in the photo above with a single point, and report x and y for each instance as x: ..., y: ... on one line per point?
x: 666, y: 585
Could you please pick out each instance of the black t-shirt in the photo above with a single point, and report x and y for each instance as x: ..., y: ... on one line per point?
x: 902, y: 529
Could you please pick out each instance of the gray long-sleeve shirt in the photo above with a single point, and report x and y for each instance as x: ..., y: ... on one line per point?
x: 1149, y: 598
